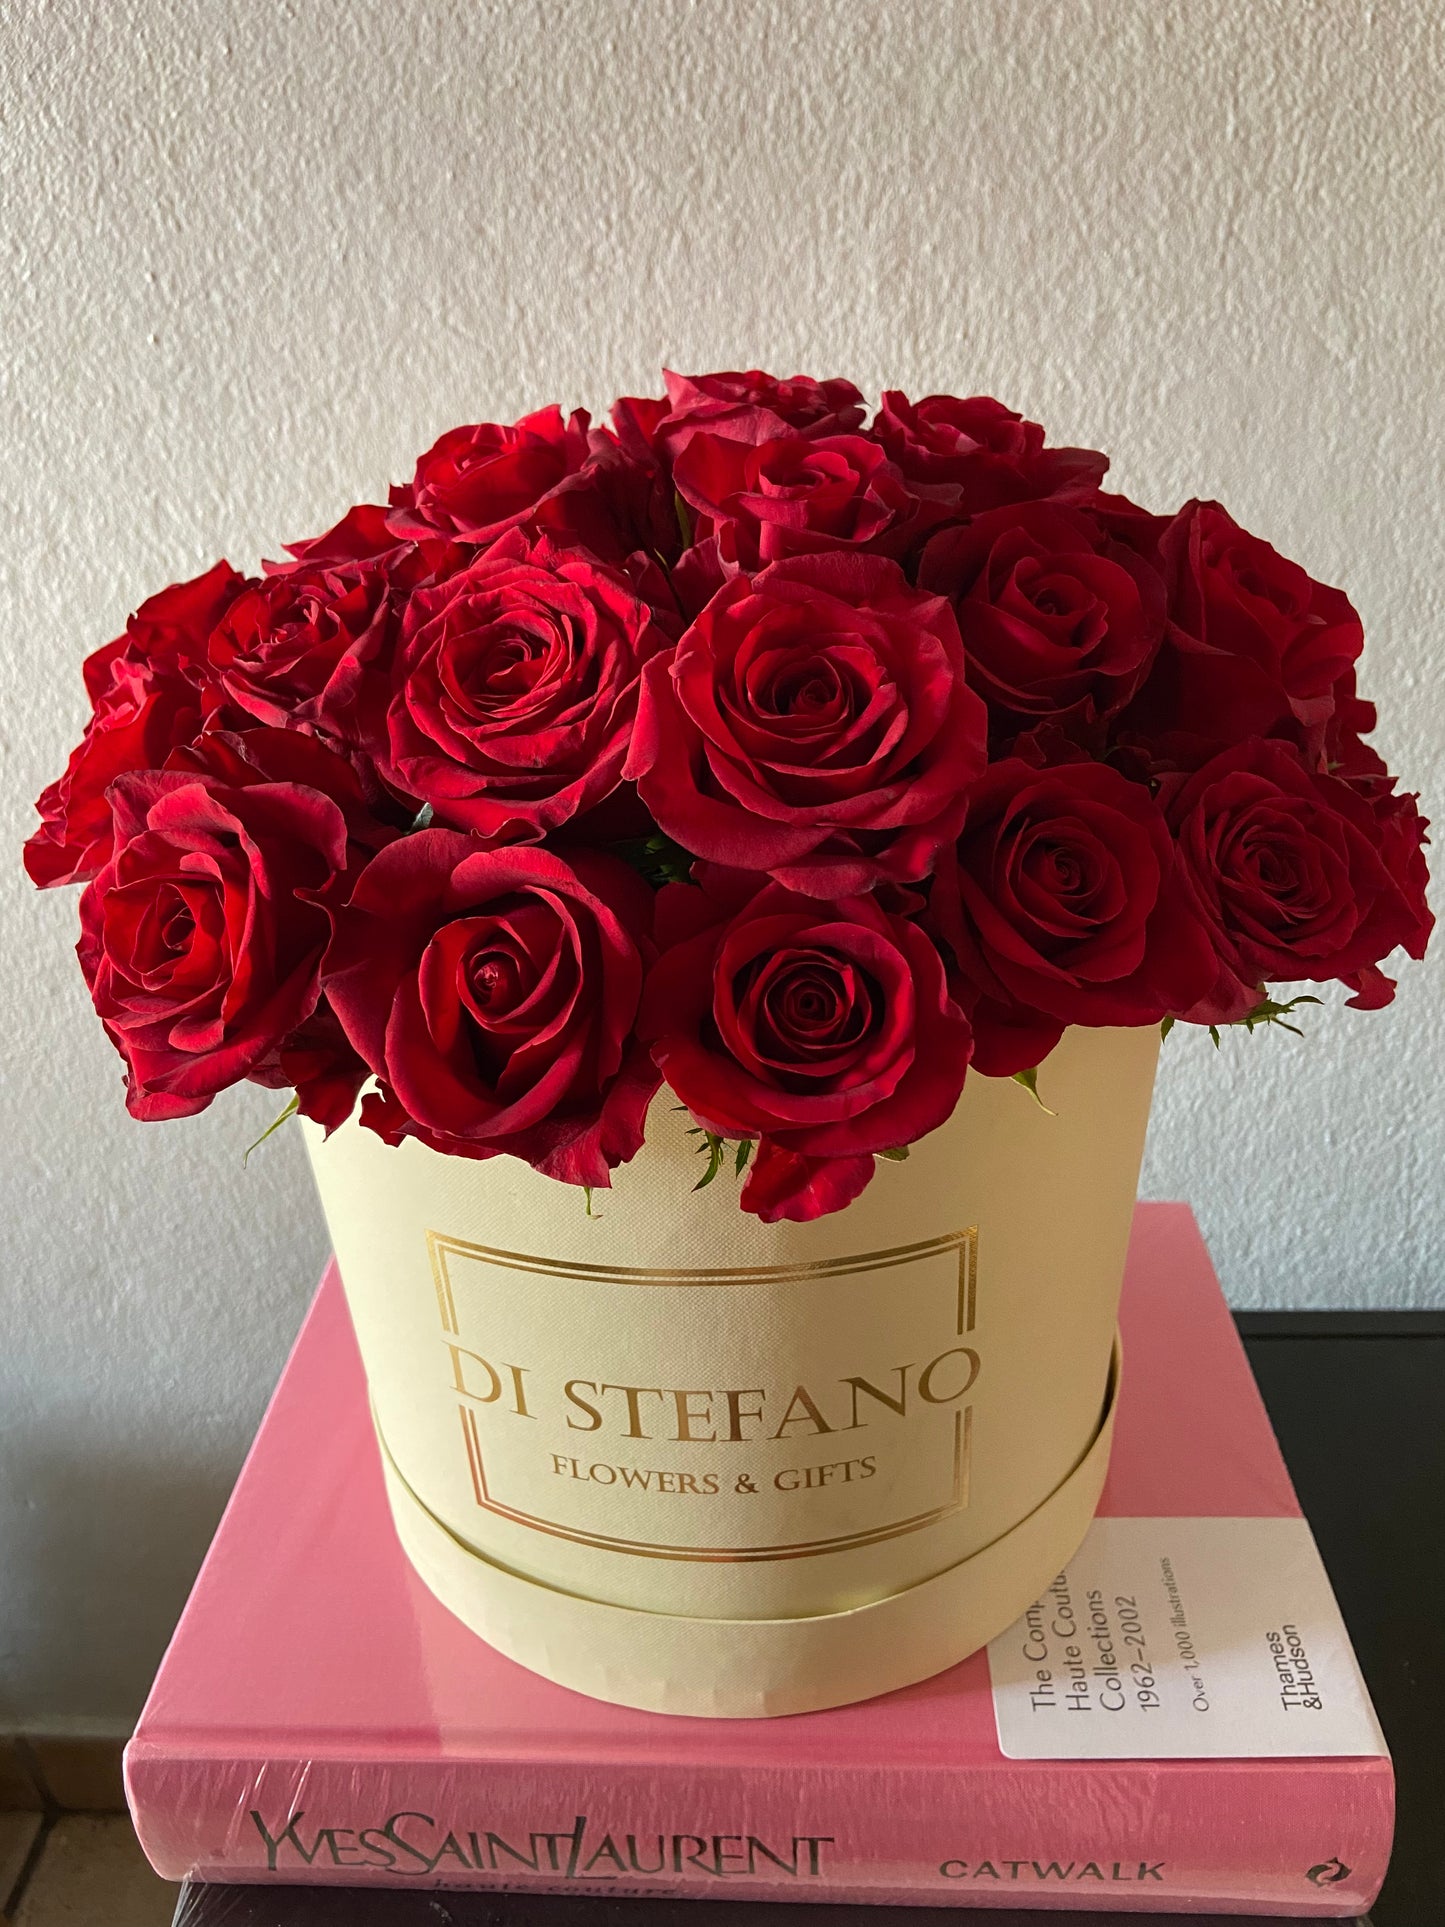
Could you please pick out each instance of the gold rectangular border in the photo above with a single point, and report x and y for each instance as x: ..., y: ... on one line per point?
x: 440, y: 1247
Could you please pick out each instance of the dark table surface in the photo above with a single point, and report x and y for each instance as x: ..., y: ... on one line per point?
x: 1358, y: 1401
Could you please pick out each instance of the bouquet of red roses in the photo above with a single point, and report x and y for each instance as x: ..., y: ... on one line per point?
x: 800, y: 763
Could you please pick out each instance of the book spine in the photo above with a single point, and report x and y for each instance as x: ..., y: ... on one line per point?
x: 1301, y: 1837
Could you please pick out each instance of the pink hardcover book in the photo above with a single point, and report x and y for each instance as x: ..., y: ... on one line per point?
x: 1179, y: 1725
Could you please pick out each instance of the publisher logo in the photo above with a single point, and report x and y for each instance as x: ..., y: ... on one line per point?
x: 1329, y: 1872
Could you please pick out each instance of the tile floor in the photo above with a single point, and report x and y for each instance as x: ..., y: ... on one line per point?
x: 88, y: 1872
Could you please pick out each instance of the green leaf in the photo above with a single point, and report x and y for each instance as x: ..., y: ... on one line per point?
x: 684, y: 519
x: 713, y: 1146
x: 290, y: 1111
x: 719, y: 1150
x: 1267, y: 1011
x: 656, y: 858
x: 1030, y: 1082
x: 422, y: 819
x: 1165, y: 1028
x: 898, y: 1155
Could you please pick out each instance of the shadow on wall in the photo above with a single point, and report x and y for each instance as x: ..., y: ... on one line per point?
x: 150, y: 1288
x: 88, y: 1518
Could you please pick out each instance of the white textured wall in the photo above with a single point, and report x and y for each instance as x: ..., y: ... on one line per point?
x: 255, y: 257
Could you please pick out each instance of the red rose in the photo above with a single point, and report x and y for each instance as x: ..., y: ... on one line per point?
x: 476, y: 482
x: 201, y: 939
x: 1399, y: 832
x: 317, y: 1062
x: 515, y: 689
x: 1057, y: 620
x: 980, y: 454
x: 360, y: 536
x: 494, y: 993
x: 1124, y: 521
x: 797, y: 399
x: 1253, y: 647
x: 728, y: 402
x: 146, y: 693
x: 624, y: 512
x: 253, y: 754
x: 1344, y: 753
x: 309, y: 648
x: 635, y: 421
x: 814, y: 723
x: 1062, y: 906
x: 795, y: 495
x: 1296, y: 876
x: 363, y: 535
x: 825, y: 1030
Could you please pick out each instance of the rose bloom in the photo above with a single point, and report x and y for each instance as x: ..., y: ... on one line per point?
x: 1345, y: 753
x: 305, y: 648
x: 824, y: 1030
x: 1138, y: 529
x: 317, y: 1062
x: 253, y: 753
x: 728, y: 402
x: 815, y: 723
x: 494, y: 993
x: 1253, y: 647
x: 623, y: 511
x: 1296, y: 876
x: 796, y: 495
x: 363, y: 535
x: 979, y: 454
x: 1057, y: 620
x: 147, y: 694
x: 1062, y: 905
x: 476, y: 482
x: 515, y: 689
x: 649, y: 434
x: 315, y: 1059
x: 201, y: 939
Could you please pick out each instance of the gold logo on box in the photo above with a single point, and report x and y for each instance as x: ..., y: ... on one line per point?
x: 598, y: 1410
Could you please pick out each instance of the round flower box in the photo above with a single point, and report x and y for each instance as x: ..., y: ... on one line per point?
x: 677, y: 1458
